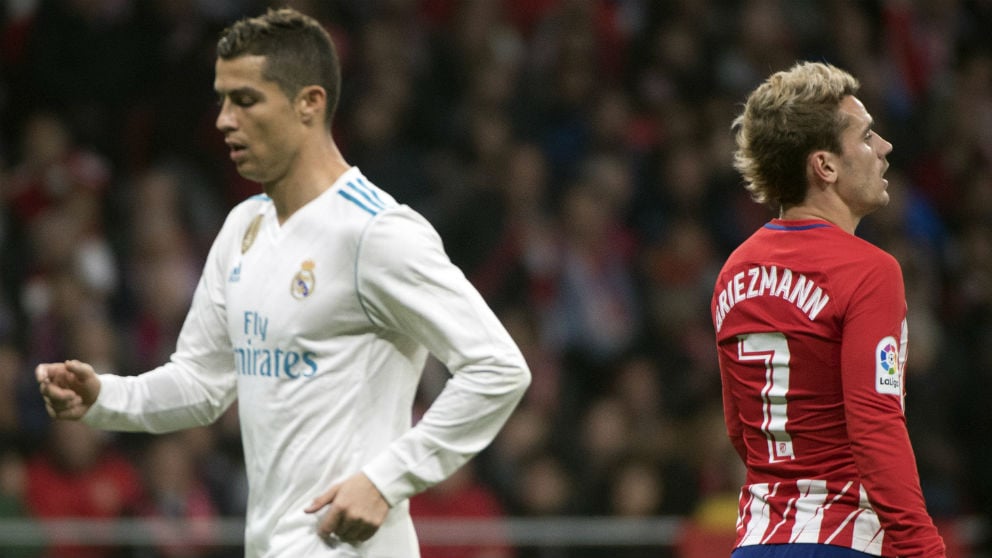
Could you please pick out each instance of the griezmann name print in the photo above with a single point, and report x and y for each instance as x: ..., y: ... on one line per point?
x: 770, y: 280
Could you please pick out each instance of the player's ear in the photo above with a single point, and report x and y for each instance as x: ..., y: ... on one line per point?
x: 312, y: 103
x: 823, y: 165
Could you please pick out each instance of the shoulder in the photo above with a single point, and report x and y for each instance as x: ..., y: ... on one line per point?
x: 356, y: 197
x: 816, y: 242
x: 840, y: 262
x: 864, y: 258
x: 351, y: 206
x: 399, y: 233
x: 400, y: 247
x: 860, y: 272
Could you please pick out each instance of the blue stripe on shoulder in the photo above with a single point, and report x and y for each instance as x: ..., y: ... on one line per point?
x: 367, y: 194
x: 775, y: 227
x: 358, y: 202
x: 372, y: 191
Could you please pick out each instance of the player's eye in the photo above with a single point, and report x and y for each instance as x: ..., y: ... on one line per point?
x: 243, y: 100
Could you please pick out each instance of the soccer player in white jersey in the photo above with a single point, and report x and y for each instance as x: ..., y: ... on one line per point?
x: 318, y: 305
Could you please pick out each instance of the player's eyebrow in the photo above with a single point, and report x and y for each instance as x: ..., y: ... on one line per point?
x: 868, y: 126
x: 221, y: 93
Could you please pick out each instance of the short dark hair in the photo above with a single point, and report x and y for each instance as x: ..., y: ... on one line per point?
x: 790, y: 115
x: 298, y: 52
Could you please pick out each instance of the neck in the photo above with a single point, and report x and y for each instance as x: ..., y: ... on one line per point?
x: 312, y: 173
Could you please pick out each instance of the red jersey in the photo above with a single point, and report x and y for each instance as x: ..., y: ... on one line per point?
x: 811, y: 333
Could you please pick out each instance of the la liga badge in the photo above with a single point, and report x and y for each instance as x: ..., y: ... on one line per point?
x: 888, y: 377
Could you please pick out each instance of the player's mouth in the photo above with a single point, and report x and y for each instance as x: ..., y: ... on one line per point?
x: 238, y: 150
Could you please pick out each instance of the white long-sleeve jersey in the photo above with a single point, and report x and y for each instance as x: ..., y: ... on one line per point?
x: 320, y: 328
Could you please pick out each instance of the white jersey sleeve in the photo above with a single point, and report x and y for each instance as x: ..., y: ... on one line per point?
x: 407, y: 284
x: 198, y: 383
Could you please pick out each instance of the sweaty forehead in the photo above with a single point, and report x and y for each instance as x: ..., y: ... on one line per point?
x: 242, y: 71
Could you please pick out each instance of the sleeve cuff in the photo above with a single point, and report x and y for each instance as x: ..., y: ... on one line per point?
x: 393, y: 479
x: 100, y: 414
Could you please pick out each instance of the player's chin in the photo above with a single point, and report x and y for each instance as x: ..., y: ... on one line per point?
x: 883, y: 199
x: 249, y: 172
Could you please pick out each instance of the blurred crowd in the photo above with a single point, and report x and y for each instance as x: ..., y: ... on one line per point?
x: 575, y: 156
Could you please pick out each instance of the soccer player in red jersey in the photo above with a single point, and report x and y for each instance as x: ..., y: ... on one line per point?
x: 811, y: 332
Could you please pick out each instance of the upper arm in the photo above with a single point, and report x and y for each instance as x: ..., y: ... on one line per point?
x: 873, y: 350
x: 407, y: 284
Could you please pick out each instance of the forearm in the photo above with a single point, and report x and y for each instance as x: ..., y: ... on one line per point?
x: 160, y: 400
x: 463, y: 420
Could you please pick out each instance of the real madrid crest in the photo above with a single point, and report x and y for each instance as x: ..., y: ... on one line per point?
x: 304, y: 281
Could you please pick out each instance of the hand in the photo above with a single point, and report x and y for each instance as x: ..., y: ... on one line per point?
x: 69, y: 388
x: 357, y: 510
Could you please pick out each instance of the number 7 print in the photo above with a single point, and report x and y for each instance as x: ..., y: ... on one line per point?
x: 772, y: 349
